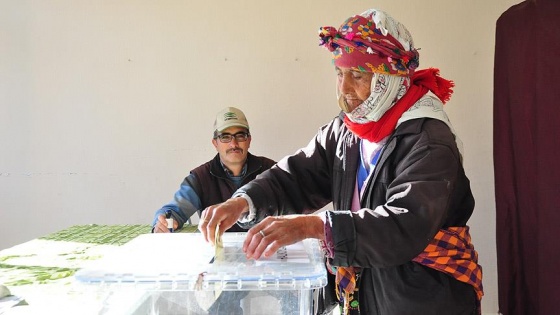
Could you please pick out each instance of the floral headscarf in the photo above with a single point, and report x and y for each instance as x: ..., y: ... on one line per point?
x: 375, y: 42
x: 372, y: 42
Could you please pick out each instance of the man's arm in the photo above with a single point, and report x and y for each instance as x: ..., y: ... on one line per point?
x: 185, y: 203
x: 297, y: 184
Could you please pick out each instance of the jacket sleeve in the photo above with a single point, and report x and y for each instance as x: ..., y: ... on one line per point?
x: 421, y: 186
x: 185, y: 202
x: 299, y: 183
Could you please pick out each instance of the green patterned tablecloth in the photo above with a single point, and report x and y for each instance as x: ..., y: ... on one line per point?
x: 106, y: 234
x: 99, y: 234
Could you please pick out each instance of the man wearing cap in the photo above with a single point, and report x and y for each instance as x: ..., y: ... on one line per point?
x: 215, y: 181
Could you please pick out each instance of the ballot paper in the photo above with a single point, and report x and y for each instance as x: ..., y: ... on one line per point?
x: 218, y: 257
x: 218, y: 245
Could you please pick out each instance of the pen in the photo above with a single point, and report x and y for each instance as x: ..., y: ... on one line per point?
x: 169, y: 220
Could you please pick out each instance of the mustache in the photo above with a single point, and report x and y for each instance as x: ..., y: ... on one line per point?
x: 234, y: 149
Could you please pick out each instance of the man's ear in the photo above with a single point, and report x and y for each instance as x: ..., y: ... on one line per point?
x: 215, y: 143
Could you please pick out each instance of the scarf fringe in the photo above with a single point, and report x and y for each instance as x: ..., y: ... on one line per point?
x: 430, y: 78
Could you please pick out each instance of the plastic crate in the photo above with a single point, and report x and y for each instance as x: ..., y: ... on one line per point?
x: 177, y: 274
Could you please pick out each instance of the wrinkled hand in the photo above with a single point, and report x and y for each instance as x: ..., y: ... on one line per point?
x: 161, y: 225
x: 225, y: 214
x: 265, y: 238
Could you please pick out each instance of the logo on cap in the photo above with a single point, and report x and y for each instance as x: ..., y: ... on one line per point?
x: 230, y: 116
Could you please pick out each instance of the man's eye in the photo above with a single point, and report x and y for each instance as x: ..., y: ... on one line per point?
x: 357, y: 74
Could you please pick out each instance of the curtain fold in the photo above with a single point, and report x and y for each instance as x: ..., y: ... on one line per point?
x: 527, y: 157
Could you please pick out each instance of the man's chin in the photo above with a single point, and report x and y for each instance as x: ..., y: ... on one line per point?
x: 236, y: 156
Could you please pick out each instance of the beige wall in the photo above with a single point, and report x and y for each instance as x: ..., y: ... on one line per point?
x: 105, y: 105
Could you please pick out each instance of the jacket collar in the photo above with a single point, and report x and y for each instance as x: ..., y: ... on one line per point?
x: 217, y: 169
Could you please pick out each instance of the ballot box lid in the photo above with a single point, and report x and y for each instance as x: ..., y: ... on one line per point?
x: 185, y: 261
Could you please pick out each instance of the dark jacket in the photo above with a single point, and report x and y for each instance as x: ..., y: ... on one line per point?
x: 418, y: 187
x: 213, y: 186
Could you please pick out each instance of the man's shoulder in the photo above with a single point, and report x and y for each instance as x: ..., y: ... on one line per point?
x: 206, y: 166
x: 262, y: 160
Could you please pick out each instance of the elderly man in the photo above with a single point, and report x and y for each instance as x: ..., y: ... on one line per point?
x: 216, y: 180
x: 397, y: 239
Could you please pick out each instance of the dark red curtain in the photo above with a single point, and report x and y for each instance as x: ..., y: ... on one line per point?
x: 527, y: 157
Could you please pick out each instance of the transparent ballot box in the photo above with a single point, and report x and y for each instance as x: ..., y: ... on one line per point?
x: 178, y: 273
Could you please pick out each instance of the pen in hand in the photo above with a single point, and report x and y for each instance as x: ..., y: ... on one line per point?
x: 169, y: 220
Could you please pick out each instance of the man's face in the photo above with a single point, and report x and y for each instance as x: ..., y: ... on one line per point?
x: 354, y: 86
x: 234, y: 152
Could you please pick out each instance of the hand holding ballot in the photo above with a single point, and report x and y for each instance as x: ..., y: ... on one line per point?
x: 225, y: 214
x: 264, y: 238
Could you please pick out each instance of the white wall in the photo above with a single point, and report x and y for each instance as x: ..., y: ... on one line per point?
x: 105, y: 105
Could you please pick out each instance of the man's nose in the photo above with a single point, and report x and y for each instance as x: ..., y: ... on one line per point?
x: 233, y: 142
x: 345, y: 85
